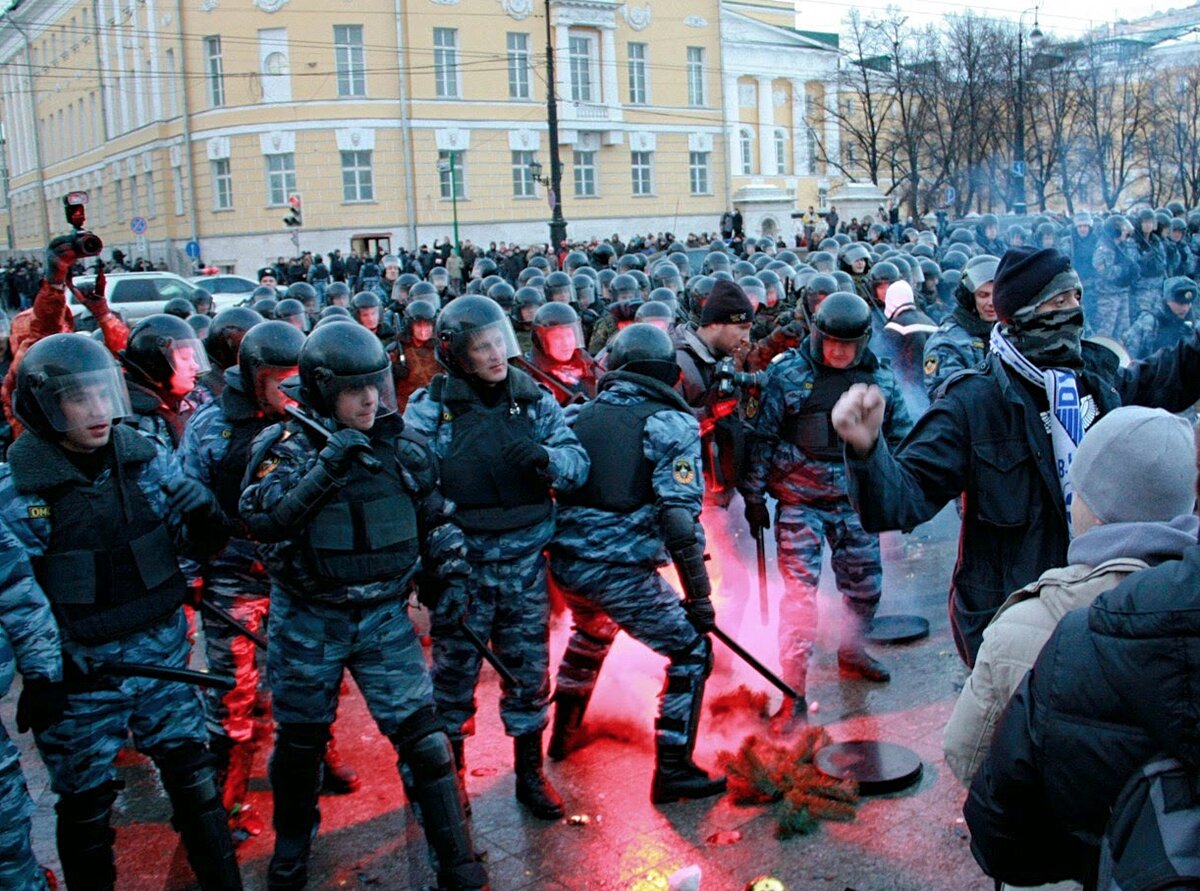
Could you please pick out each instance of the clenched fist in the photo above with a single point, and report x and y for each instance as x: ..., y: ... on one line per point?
x: 858, y: 417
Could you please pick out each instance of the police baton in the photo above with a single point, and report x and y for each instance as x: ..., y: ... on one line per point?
x: 745, y: 656
x: 369, y: 462
x: 760, y: 546
x: 485, y: 651
x: 164, y: 673
x: 226, y: 618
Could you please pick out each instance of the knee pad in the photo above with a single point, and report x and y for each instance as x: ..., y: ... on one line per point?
x: 303, y: 736
x: 430, y: 758
x: 186, y: 758
x: 82, y: 807
x: 420, y: 724
x: 699, y: 653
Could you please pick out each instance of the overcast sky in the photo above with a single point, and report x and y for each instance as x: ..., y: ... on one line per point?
x: 1058, y: 16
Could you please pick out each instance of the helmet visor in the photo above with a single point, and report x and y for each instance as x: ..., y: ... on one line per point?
x: 559, y: 342
x: 369, y: 395
x: 82, y: 400
x: 838, y: 352
x: 487, y: 346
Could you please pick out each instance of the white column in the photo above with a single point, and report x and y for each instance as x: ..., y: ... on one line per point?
x: 729, y: 95
x: 799, y: 128
x: 608, y: 67
x: 766, y: 127
x: 833, y: 134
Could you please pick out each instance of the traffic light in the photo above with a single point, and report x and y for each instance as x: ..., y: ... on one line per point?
x: 295, y: 216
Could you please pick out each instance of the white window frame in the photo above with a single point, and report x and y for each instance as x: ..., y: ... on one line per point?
x: 222, y: 184
x: 745, y: 151
x: 524, y: 185
x: 272, y: 43
x: 641, y: 169
x: 460, y: 175
x: 520, y: 84
x: 447, y: 75
x: 639, y: 73
x: 214, y: 71
x: 280, y: 177
x: 350, y: 60
x: 780, y: 151
x: 700, y: 172
x: 356, y: 168
x: 697, y: 58
x: 583, y: 169
x: 583, y: 65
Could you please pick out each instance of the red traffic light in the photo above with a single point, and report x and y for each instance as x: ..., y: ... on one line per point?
x: 294, y: 202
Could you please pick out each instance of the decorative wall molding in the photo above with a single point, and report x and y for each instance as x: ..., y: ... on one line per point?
x: 355, y: 139
x: 636, y: 17
x: 696, y: 21
x: 517, y: 9
x: 217, y: 148
x: 524, y: 140
x: 278, y: 142
x: 700, y: 142
x: 270, y: 5
x: 452, y: 139
x: 641, y: 141
x: 209, y: 5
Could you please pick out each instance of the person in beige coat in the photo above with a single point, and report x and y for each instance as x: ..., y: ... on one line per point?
x: 1134, y: 482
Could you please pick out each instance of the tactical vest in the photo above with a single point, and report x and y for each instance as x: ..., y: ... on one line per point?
x: 490, y: 494
x: 229, y: 473
x: 620, y: 477
x: 368, y: 532
x: 811, y: 429
x: 108, y: 574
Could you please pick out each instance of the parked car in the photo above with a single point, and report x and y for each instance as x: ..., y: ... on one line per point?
x: 225, y: 284
x: 135, y: 295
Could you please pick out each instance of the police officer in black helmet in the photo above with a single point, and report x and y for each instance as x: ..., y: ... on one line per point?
x: 221, y: 344
x: 351, y: 535
x: 163, y: 363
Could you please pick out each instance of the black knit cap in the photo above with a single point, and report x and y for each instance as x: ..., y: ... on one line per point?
x: 1023, y: 273
x: 727, y: 305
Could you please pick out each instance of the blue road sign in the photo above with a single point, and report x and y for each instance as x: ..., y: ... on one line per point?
x: 1018, y: 168
x: 139, y: 225
x: 192, y: 249
x: 951, y: 194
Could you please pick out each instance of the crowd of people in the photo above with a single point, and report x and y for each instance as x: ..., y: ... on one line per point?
x: 467, y: 427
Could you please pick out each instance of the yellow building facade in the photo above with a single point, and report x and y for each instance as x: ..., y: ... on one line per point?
x: 202, y: 118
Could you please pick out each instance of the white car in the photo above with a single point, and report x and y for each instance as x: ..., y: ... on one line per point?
x: 225, y: 284
x: 135, y: 295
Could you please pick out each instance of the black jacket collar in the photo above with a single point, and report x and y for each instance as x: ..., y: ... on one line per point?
x: 39, y: 465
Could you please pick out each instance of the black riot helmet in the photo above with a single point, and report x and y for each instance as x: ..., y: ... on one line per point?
x: 603, y: 254
x: 420, y: 311
x: 335, y: 312
x: 742, y: 268
x: 987, y: 221
x: 339, y: 357
x: 625, y: 287
x: 819, y: 287
x: 698, y: 290
x: 180, y: 307
x: 270, y: 351
x: 264, y: 292
x: 164, y: 354
x: 954, y: 260
x: 642, y: 348
x: 503, y: 293
x: 557, y: 333
x: 559, y: 288
x: 630, y: 261
x: 642, y: 279
x: 925, y: 251
x: 470, y: 322
x: 526, y: 298
x: 665, y: 274
x: 540, y: 263
x: 760, y: 260
x: 657, y: 312
x: 574, y: 260
x: 822, y: 261
x: 226, y: 333
x: 200, y: 324
x: 425, y: 291
x: 842, y: 317
x: 977, y: 273
x: 266, y: 307
x: 337, y: 291
x: 292, y: 312
x: 716, y: 261
x: 529, y: 272
x: 439, y: 277
x: 484, y: 266
x: 585, y: 289
x: 301, y: 291
x: 754, y: 288
x: 404, y: 284
x: 851, y: 254
x: 1193, y: 221
x: 66, y: 382
x: 681, y: 262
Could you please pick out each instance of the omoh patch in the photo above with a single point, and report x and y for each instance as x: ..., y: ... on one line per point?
x: 684, y: 473
x: 931, y: 365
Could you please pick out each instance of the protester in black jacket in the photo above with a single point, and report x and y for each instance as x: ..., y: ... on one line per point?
x: 986, y: 436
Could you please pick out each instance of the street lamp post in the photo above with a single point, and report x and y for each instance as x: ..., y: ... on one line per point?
x: 448, y: 167
x: 558, y: 226
x: 1018, y: 168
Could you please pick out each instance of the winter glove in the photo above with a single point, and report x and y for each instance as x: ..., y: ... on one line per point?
x: 701, y: 614
x: 60, y: 257
x: 757, y: 516
x: 525, y: 454
x: 341, y: 449
x: 41, y: 704
x: 450, y: 610
x: 187, y: 497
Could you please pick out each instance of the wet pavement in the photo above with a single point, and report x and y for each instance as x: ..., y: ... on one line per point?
x: 909, y: 840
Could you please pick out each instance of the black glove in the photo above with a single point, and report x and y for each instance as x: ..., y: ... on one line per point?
x: 41, y: 704
x: 757, y: 516
x: 341, y: 448
x: 451, y: 608
x: 701, y: 614
x: 526, y: 454
x: 187, y: 496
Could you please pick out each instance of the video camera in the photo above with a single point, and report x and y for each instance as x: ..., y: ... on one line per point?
x: 729, y: 378
x: 82, y: 242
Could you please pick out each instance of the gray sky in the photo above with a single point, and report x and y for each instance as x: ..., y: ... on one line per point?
x: 1057, y: 16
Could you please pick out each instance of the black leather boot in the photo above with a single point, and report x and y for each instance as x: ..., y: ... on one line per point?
x: 200, y: 818
x: 295, y: 782
x: 854, y: 661
x: 677, y: 777
x: 85, y: 839
x: 533, y: 789
x: 568, y: 719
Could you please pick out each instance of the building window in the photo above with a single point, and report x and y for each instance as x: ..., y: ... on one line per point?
x: 746, y: 151
x: 348, y: 54
x: 585, y: 174
x: 281, y: 178
x: 523, y: 184
x: 151, y: 201
x: 172, y: 86
x: 811, y: 137
x: 214, y: 72
x: 780, y: 152
x: 275, y: 71
x: 357, y: 179
x: 695, y: 75
x: 698, y: 163
x: 579, y: 59
x: 637, y: 74
x: 133, y: 197
x: 177, y: 185
x: 445, y: 62
x: 222, y: 185
x: 641, y: 164
x: 444, y: 175
x: 518, y: 66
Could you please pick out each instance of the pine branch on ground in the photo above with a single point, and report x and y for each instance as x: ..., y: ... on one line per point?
x: 742, y: 699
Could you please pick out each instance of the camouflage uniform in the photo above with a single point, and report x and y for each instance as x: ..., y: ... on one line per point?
x: 607, y: 564
x: 1152, y: 270
x: 952, y: 348
x: 507, y: 586
x: 28, y: 641
x: 1106, y: 307
x: 813, y: 504
x: 166, y: 719
x: 1153, y: 331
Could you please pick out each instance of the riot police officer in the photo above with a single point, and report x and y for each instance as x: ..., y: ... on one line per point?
x: 163, y: 363
x: 557, y: 352
x: 1168, y: 324
x: 349, y: 542
x: 643, y: 499
x: 414, y: 361
x: 796, y: 458
x: 961, y: 341
x: 504, y: 444
x: 367, y: 308
x: 97, y: 512
x: 222, y: 342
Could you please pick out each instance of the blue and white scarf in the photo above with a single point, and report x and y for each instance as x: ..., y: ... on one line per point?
x: 1066, y: 408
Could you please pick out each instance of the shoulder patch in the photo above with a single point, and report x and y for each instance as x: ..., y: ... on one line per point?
x: 751, y: 407
x: 39, y: 512
x: 266, y: 467
x: 226, y: 433
x: 684, y: 472
x: 931, y: 365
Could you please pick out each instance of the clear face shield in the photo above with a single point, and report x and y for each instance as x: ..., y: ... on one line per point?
x: 560, y: 342
x: 83, y: 400
x: 188, y: 360
x: 836, y: 352
x: 359, y: 399
x: 486, y: 348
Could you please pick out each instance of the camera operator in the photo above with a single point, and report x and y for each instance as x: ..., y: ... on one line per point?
x: 796, y: 457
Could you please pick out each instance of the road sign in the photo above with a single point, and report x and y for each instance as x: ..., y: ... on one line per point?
x: 142, y: 247
x: 951, y: 194
x: 139, y: 225
x: 192, y: 249
x: 1018, y: 168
